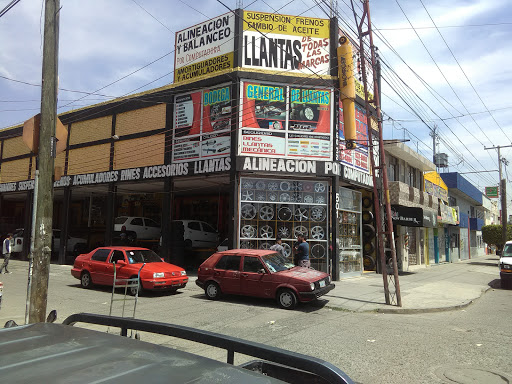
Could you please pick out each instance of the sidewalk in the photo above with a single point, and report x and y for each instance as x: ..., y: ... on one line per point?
x: 431, y: 289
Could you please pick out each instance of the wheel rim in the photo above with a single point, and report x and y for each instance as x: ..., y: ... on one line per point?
x: 248, y: 211
x: 86, y: 279
x: 286, y: 299
x: 211, y: 290
x: 248, y: 231
x: 287, y: 250
x: 308, y: 112
x: 266, y: 212
x: 266, y: 232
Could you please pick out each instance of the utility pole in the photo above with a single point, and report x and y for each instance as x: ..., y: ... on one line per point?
x: 45, y: 164
x: 434, y: 138
x: 503, y: 194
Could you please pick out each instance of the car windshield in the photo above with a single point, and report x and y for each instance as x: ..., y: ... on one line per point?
x: 507, y: 251
x: 142, y: 256
x: 120, y: 220
x: 276, y: 263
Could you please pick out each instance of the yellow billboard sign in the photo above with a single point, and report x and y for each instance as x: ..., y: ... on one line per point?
x: 205, y: 67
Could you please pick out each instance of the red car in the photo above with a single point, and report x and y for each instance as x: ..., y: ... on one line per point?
x: 97, y: 267
x: 261, y: 273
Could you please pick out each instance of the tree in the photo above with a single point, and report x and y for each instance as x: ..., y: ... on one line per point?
x: 491, y: 234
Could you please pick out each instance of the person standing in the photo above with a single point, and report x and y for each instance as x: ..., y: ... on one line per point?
x: 302, y: 250
x: 278, y: 247
x: 6, y: 250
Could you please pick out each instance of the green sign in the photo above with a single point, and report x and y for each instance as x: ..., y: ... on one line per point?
x: 491, y: 191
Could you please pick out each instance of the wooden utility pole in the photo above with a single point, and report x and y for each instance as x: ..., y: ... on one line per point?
x: 45, y: 163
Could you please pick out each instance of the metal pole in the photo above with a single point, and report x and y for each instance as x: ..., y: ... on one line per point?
x: 31, y: 255
x: 44, y: 203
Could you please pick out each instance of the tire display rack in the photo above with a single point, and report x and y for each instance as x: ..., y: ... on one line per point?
x: 285, y: 208
x: 350, y: 232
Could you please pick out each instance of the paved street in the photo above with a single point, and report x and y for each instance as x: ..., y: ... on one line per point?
x: 370, y: 347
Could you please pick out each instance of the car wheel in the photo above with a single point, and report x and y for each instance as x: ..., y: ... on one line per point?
x: 505, y: 284
x: 188, y: 244
x: 85, y: 280
x: 286, y: 299
x: 212, y: 290
x: 132, y: 291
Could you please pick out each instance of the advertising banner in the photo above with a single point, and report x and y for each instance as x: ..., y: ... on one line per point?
x: 491, y: 192
x: 205, y: 48
x: 294, y: 44
x: 286, y: 121
x: 202, y: 124
x: 407, y: 216
x: 357, y: 158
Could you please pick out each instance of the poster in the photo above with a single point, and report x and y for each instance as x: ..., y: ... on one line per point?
x: 202, y: 125
x: 205, y: 48
x: 286, y: 121
x: 358, y: 157
x: 294, y: 44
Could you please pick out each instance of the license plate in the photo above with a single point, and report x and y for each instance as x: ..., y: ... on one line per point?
x: 322, y: 284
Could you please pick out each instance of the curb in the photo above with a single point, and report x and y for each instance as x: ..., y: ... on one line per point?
x: 409, y: 311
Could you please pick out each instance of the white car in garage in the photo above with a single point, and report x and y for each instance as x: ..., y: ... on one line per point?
x: 145, y: 228
x: 74, y: 244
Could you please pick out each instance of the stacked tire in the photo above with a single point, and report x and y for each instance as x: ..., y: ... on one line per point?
x: 369, y: 233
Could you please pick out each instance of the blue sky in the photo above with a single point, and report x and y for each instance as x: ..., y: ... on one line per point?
x: 103, y: 41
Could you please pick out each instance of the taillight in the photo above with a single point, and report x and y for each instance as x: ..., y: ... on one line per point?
x: 123, y: 228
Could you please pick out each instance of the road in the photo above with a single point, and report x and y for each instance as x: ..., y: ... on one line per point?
x: 463, y: 345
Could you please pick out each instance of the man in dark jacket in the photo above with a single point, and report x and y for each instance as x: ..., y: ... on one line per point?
x: 6, y: 250
x: 302, y: 251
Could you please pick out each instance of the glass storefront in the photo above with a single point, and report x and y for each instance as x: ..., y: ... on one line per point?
x: 350, y: 232
x: 285, y: 208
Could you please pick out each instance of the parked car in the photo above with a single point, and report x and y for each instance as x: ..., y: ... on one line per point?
x: 97, y: 267
x: 261, y: 273
x: 75, y: 245
x: 144, y: 228
x: 506, y: 265
x: 198, y: 234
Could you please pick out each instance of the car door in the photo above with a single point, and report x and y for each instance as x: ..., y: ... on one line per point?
x: 255, y: 280
x: 152, y: 229
x: 227, y: 273
x: 120, y: 269
x: 209, y: 235
x: 137, y: 225
x: 194, y: 233
x: 98, y: 266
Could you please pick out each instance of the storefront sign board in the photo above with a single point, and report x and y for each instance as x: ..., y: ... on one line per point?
x: 190, y: 168
x: 202, y: 125
x: 285, y: 121
x: 293, y: 44
x: 357, y: 158
x: 429, y: 219
x: 205, y: 48
x: 491, y: 192
x: 407, y: 216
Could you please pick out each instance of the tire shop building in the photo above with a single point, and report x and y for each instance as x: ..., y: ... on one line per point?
x: 246, y: 145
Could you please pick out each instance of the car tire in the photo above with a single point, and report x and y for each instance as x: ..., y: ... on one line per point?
x: 212, y: 290
x: 132, y: 291
x: 86, y: 280
x: 368, y: 232
x: 505, y: 284
x: 286, y: 299
x: 188, y: 244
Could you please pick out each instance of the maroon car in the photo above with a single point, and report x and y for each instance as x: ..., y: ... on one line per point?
x: 261, y: 273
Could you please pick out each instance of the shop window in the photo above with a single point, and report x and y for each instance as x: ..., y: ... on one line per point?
x: 137, y: 221
x: 252, y: 264
x: 229, y: 263
x: 349, y: 231
x: 285, y: 208
x: 101, y: 255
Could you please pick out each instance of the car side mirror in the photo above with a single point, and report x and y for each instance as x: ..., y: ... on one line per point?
x: 261, y: 271
x: 120, y: 262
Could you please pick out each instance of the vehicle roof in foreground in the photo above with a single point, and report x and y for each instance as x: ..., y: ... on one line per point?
x: 250, y: 252
x: 63, y: 353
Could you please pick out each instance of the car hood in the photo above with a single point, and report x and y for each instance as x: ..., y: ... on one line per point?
x: 506, y: 260
x: 157, y: 267
x: 305, y: 274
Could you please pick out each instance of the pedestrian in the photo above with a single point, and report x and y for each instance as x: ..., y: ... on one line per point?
x: 278, y: 247
x: 6, y: 250
x: 302, y: 252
